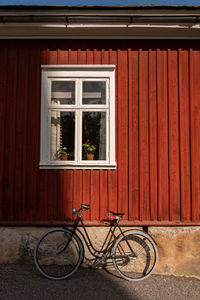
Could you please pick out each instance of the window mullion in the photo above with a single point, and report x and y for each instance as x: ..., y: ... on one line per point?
x: 78, y: 122
x: 76, y: 135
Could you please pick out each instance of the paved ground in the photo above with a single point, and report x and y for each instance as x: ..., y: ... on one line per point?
x: 19, y: 282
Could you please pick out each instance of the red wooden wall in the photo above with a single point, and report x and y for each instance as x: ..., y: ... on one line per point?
x: 157, y: 180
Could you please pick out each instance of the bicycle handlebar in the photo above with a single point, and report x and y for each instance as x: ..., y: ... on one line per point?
x: 82, y: 208
x: 85, y: 206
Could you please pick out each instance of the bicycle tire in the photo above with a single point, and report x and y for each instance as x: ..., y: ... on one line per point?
x: 53, y: 259
x: 137, y: 264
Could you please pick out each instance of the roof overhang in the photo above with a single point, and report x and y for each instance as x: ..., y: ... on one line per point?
x: 136, y: 22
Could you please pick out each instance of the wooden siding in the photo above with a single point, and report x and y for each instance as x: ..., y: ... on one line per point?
x: 157, y: 180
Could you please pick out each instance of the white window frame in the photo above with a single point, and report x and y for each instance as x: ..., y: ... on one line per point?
x: 79, y: 73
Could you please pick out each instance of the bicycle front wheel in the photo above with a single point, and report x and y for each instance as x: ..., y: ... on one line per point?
x: 135, y: 255
x: 58, y: 254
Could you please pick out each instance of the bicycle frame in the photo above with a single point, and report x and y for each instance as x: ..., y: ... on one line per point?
x: 118, y: 248
x: 106, y: 243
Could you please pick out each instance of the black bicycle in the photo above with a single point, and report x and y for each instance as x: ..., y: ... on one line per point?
x: 60, y: 252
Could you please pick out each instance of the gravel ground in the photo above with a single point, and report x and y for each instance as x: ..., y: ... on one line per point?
x: 19, y: 282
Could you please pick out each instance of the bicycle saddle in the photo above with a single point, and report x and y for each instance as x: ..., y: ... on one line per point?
x: 120, y: 215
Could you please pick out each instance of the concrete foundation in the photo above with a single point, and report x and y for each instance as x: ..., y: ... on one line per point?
x: 178, y: 247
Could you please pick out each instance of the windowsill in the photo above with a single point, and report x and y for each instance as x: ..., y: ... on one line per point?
x: 62, y: 166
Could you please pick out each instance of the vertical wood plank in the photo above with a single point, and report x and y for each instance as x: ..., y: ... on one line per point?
x: 53, y: 53
x: 195, y: 130
x: 21, y: 131
x: 77, y: 189
x: 130, y: 137
x: 184, y: 134
x: 143, y: 135
x: 105, y: 56
x: 10, y: 138
x: 153, y: 144
x: 163, y: 188
x: 75, y: 199
x: 95, y: 195
x: 97, y: 52
x: 103, y: 181
x: 68, y: 194
x: 122, y: 132
x: 60, y: 195
x: 134, y: 207
x: 87, y: 192
x: 3, y: 86
x: 62, y: 56
x: 72, y: 53
x: 89, y: 56
x: 44, y: 53
x: 38, y: 210
x: 52, y: 195
x: 34, y: 206
x: 112, y: 191
x: 174, y: 167
x: 81, y: 59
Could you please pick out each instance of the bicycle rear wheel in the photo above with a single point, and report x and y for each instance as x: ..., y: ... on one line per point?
x: 135, y: 255
x: 57, y: 257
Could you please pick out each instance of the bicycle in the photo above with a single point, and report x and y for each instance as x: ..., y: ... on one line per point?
x: 60, y: 252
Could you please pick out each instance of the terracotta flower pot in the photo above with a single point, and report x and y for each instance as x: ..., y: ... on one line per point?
x: 63, y: 157
x: 90, y: 156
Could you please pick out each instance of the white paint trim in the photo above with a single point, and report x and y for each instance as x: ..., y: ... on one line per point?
x: 32, y: 25
x: 78, y: 167
x: 78, y: 73
x: 96, y: 25
x: 64, y: 27
x: 81, y: 68
x: 160, y: 26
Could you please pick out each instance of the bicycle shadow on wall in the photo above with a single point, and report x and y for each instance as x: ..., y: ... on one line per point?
x: 127, y: 266
x: 132, y: 265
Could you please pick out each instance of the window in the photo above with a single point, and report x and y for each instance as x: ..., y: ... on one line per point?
x: 78, y: 116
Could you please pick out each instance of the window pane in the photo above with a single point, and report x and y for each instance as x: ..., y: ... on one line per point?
x: 94, y: 92
x: 62, y: 134
x: 94, y: 134
x: 63, y: 92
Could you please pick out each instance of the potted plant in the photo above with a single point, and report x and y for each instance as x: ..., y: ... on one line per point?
x: 89, y: 149
x: 63, y: 153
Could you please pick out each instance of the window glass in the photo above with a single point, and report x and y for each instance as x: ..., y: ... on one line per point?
x: 62, y: 135
x: 94, y: 92
x: 62, y: 92
x: 94, y: 135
